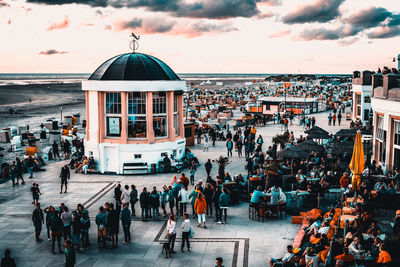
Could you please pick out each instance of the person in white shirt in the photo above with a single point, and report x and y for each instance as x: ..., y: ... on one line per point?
x: 125, y: 196
x: 185, y: 226
x: 287, y: 258
x: 355, y: 246
x: 171, y: 231
x: 184, y: 200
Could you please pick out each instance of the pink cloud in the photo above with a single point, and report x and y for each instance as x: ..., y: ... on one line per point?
x: 59, y: 25
x: 280, y: 34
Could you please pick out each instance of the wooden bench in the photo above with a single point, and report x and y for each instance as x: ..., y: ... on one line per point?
x: 135, y: 166
x: 298, y: 240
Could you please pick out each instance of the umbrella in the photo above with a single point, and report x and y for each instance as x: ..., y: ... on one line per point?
x: 318, y: 133
x: 293, y: 152
x: 357, y: 162
x: 310, y: 145
x: 346, y: 133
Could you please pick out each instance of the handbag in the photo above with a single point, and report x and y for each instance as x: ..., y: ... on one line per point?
x: 191, y: 234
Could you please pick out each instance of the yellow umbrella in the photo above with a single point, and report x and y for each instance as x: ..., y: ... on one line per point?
x: 357, y: 162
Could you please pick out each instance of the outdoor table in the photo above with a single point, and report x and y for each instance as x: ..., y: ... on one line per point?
x: 315, y: 179
x: 350, y: 199
x: 334, y: 191
x: 296, y: 195
x: 344, y: 218
x: 381, y: 236
x: 347, y: 211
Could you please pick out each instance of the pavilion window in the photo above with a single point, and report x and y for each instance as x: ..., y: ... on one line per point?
x: 396, y: 144
x: 113, y: 114
x: 160, y: 114
x: 137, y: 115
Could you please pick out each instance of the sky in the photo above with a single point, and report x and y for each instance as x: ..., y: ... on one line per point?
x: 201, y: 36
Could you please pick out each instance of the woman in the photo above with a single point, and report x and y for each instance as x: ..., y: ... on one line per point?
x: 49, y: 215
x: 200, y: 207
x: 164, y: 200
x: 185, y: 226
x: 224, y: 201
x: 155, y: 204
x: 85, y: 223
x: 208, y: 194
x: 171, y: 231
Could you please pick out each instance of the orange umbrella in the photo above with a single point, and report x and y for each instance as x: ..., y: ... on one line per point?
x: 357, y: 162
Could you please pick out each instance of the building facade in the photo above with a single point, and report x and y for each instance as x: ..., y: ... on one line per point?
x: 134, y: 112
x: 362, y: 90
x: 385, y: 103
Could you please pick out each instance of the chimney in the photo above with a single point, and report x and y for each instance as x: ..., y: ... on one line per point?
x: 389, y: 82
x: 377, y: 81
x: 366, y: 77
x: 356, y: 74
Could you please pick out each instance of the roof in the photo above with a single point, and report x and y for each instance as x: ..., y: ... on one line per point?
x: 134, y: 67
x: 288, y: 99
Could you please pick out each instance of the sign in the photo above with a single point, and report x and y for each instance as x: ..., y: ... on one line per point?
x: 113, y: 126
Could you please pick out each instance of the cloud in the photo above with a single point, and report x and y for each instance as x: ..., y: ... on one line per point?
x: 395, y: 20
x: 369, y: 17
x: 383, y: 32
x: 319, y: 11
x: 93, y: 3
x: 148, y: 26
x: 198, y: 28
x: 51, y: 52
x: 4, y: 4
x: 346, y: 42
x: 280, y: 34
x: 59, y: 25
x: 264, y: 15
x: 320, y: 34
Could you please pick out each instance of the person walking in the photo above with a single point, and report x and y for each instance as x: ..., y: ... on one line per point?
x: 29, y: 166
x: 239, y: 145
x: 13, y: 173
x: 35, y: 193
x: 208, y: 166
x: 330, y: 119
x: 18, y: 170
x: 193, y: 197
x: 229, y: 146
x: 186, y: 228
x: 171, y: 199
x: 171, y: 232
x: 206, y: 141
x: 38, y: 220
x: 224, y: 201
x: 144, y: 203
x: 339, y: 118
x: 101, y: 222
x: 133, y: 198
x: 7, y: 261
x: 85, y: 223
x: 184, y: 200
x: 208, y: 195
x: 334, y: 119
x: 56, y: 227
x: 126, y: 221
x: 201, y: 206
x: 49, y: 216
x: 215, y: 199
x: 70, y: 257
x: 192, y: 172
x: 55, y: 151
x: 65, y: 176
x: 67, y: 148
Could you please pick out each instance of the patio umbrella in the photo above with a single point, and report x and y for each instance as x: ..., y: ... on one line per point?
x: 310, y: 145
x: 317, y: 133
x: 293, y: 152
x: 357, y: 162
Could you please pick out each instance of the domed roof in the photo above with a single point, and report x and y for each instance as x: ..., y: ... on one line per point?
x: 134, y: 67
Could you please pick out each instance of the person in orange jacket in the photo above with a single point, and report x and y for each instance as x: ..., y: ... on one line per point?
x: 200, y: 207
x: 384, y: 256
x: 344, y: 181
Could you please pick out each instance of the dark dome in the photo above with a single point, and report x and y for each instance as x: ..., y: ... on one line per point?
x: 134, y: 67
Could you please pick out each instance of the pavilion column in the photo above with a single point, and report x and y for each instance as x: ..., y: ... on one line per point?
x: 170, y: 116
x: 87, y: 115
x: 124, y: 118
x: 149, y: 122
x: 180, y: 117
x: 100, y: 105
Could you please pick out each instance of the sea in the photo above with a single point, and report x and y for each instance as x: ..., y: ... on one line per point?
x: 44, y: 78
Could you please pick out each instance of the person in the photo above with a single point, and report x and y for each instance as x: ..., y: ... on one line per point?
x: 355, y: 246
x: 334, y: 119
x: 38, y: 220
x: 224, y: 201
x: 155, y: 204
x: 171, y: 199
x: 133, y: 198
x: 35, y: 193
x: 144, y: 203
x: 125, y: 196
x: 76, y: 230
x: 344, y: 181
x: 218, y: 262
x: 49, y: 215
x: 85, y: 225
x: 101, y: 221
x: 113, y: 224
x: 257, y: 196
x: 186, y: 229
x: 126, y: 221
x: 164, y: 200
x: 171, y: 231
x: 29, y: 166
x: 18, y: 170
x: 286, y: 260
x: 69, y: 254
x: 192, y: 172
x: 167, y: 163
x: 56, y: 227
x: 66, y: 218
x: 208, y: 194
x: 206, y: 140
x: 229, y: 146
x: 239, y: 146
x: 55, y: 151
x: 13, y: 173
x: 260, y: 142
x: 117, y: 196
x: 7, y: 261
x: 339, y: 118
x: 330, y: 119
x: 67, y: 147
x: 200, y: 207
x: 65, y: 176
x: 215, y: 199
x: 345, y: 258
x: 384, y: 257
x: 208, y: 166
x: 195, y: 193
x: 184, y: 200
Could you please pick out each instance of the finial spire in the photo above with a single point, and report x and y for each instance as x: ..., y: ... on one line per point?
x: 134, y: 43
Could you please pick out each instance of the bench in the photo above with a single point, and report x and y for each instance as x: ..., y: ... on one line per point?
x: 135, y: 166
x: 298, y: 240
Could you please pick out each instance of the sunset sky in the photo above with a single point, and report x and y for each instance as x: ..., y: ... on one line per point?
x: 208, y: 36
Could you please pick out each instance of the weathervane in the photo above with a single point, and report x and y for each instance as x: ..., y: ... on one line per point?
x: 134, y: 44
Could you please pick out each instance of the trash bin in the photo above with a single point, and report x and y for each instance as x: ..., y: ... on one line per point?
x: 153, y: 168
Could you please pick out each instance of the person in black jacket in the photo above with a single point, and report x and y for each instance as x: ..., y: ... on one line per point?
x: 18, y: 170
x: 113, y: 224
x: 38, y: 220
x: 144, y: 203
x: 67, y: 148
x: 65, y: 176
x: 56, y: 227
x: 55, y: 151
x: 215, y: 200
x: 208, y: 167
x: 7, y: 261
x: 117, y: 197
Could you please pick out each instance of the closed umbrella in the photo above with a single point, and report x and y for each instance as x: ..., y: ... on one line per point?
x: 357, y: 162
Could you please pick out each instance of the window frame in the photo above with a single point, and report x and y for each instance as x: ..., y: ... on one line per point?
x: 141, y: 111
x: 108, y: 115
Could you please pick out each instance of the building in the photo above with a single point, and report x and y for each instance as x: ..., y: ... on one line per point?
x: 385, y: 103
x: 362, y: 90
x: 134, y: 113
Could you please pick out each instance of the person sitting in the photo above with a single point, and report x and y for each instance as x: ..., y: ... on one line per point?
x: 380, y: 186
x: 286, y: 260
x: 166, y: 163
x: 274, y: 194
x: 257, y: 196
x: 355, y: 246
x: 384, y: 257
x: 345, y: 258
x: 374, y: 229
x: 227, y: 178
x: 344, y: 181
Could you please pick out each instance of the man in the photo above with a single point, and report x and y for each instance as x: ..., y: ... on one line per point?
x: 229, y: 146
x: 339, y: 118
x: 69, y: 254
x: 56, y: 227
x: 65, y: 176
x: 166, y: 163
x: 144, y: 203
x: 218, y: 262
x: 125, y: 196
x: 133, y: 196
x: 67, y: 147
x: 38, y: 220
x: 101, y: 221
x: 7, y: 261
x: 29, y: 165
x: 208, y: 166
x: 384, y: 257
x: 287, y: 259
x: 257, y: 196
x: 117, y: 197
x: 344, y: 181
x: 55, y: 151
x: 126, y: 223
x: 355, y: 246
x: 113, y: 224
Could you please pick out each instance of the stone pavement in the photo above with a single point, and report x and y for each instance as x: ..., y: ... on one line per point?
x: 241, y: 242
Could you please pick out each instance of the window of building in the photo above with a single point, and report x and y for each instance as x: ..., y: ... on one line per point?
x: 137, y: 124
x: 366, y: 114
x: 138, y: 156
x: 267, y: 107
x: 358, y: 99
x: 113, y: 114
x: 160, y: 114
x: 396, y: 145
x: 176, y: 118
x: 381, y: 139
x: 367, y: 99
